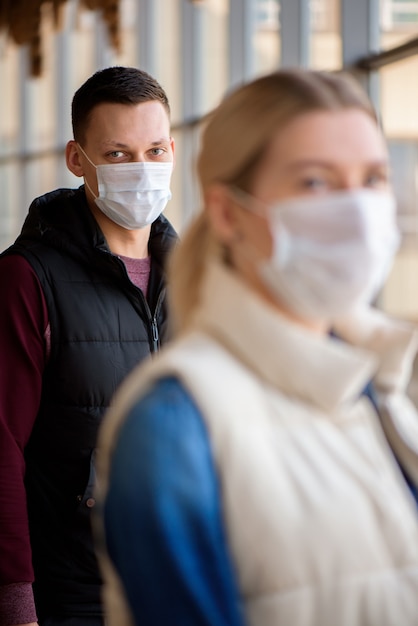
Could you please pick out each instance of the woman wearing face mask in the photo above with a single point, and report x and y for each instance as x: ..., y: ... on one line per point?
x: 245, y: 476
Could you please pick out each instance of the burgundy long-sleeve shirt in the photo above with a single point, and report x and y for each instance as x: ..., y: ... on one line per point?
x: 23, y: 322
x: 24, y: 343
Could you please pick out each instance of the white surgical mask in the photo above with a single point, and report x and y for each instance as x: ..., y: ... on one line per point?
x: 330, y: 253
x: 134, y: 194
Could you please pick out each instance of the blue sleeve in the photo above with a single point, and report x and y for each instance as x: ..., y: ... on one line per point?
x: 371, y: 394
x: 163, y: 517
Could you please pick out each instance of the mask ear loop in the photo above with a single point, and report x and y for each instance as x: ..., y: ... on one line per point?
x: 247, y: 201
x: 90, y: 189
x: 244, y: 247
x: 87, y: 157
x: 260, y: 208
x: 95, y: 167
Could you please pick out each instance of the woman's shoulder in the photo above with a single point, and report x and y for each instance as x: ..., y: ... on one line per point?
x: 166, y: 404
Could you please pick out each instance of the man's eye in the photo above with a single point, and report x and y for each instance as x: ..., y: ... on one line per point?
x: 116, y: 154
x: 157, y: 151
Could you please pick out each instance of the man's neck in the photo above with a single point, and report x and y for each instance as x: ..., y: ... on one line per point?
x: 121, y: 241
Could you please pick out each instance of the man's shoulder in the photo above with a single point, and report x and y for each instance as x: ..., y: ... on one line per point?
x: 62, y: 194
x: 53, y: 216
x: 53, y: 208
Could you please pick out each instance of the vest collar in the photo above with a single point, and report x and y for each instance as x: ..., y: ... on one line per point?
x: 323, y: 371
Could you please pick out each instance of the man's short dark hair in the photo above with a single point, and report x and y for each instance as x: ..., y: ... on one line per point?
x: 118, y: 85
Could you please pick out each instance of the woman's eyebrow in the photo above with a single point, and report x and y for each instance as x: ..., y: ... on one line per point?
x: 325, y: 164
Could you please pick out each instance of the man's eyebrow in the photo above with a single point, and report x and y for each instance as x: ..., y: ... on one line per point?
x: 114, y: 144
x: 160, y: 141
x: 117, y: 144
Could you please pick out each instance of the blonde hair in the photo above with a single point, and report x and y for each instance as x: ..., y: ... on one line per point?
x: 234, y: 140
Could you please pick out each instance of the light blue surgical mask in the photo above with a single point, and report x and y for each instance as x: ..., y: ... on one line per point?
x: 331, y: 253
x: 133, y: 194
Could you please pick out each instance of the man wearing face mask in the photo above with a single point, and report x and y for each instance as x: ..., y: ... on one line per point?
x: 83, y: 301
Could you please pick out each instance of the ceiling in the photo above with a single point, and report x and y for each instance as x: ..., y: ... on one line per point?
x: 21, y: 21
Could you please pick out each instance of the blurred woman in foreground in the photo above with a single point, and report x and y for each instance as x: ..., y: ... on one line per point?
x: 246, y: 478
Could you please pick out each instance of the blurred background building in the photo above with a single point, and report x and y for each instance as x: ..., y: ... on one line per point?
x: 198, y: 50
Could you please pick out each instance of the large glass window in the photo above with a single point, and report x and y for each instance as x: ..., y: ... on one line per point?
x: 267, y: 36
x: 399, y: 15
x: 399, y: 106
x: 325, y: 48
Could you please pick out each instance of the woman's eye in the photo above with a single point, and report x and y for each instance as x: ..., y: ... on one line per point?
x: 377, y: 180
x: 313, y: 183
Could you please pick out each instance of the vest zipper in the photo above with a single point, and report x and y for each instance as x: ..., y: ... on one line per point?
x: 155, y: 335
x: 152, y: 319
x: 154, y: 324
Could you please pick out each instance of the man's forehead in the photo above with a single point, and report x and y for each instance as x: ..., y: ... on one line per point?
x: 116, y: 126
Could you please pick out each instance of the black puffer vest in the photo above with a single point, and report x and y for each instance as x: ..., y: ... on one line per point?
x: 101, y: 327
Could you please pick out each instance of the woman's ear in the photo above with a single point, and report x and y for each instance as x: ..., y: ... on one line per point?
x: 222, y: 212
x: 72, y: 158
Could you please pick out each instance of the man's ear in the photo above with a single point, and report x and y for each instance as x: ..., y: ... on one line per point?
x: 172, y: 144
x: 72, y: 158
x: 222, y: 212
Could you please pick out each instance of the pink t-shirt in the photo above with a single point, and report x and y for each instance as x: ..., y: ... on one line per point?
x: 138, y: 271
